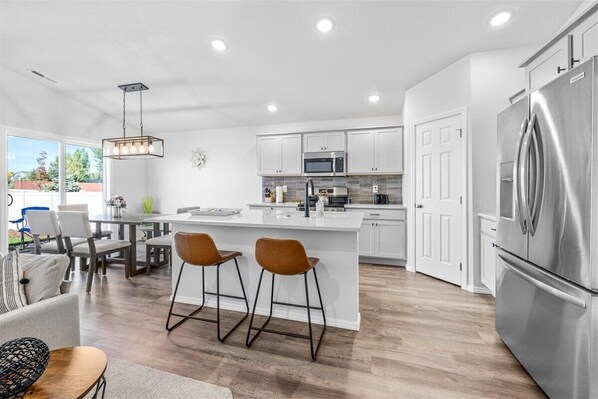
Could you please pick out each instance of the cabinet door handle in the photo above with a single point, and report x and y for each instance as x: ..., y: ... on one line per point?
x: 493, y: 229
x: 574, y: 61
x: 559, y: 69
x: 374, y: 214
x: 419, y: 206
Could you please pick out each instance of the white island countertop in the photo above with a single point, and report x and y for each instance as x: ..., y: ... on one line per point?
x: 375, y: 206
x: 274, y: 205
x: 278, y: 219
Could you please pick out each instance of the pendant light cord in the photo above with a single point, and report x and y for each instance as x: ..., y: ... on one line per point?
x: 124, y: 114
x: 141, y: 109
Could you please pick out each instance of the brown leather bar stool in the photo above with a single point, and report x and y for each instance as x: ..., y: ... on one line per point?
x: 198, y: 249
x: 286, y: 258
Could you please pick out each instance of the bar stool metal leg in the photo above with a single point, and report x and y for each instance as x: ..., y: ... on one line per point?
x: 308, y: 307
x: 204, y: 292
x: 248, y: 342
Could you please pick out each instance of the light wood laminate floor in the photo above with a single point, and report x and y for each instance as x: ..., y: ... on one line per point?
x: 419, y: 338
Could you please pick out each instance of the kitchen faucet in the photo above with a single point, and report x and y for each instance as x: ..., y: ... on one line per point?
x: 307, y: 183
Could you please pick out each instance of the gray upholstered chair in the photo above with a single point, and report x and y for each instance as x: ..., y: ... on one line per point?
x: 76, y: 224
x: 155, y: 244
x: 83, y: 208
x: 45, y: 223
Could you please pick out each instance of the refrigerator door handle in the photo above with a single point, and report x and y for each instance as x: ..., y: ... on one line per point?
x: 543, y: 286
x: 516, y: 178
x: 536, y: 144
x: 524, y: 174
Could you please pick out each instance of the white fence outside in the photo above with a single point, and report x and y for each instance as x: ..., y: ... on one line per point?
x: 26, y: 198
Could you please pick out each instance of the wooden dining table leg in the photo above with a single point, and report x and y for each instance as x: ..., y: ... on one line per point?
x: 133, y: 250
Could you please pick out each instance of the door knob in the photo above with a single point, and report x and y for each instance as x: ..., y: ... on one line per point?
x: 419, y: 206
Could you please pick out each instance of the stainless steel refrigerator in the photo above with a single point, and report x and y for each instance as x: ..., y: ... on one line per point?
x: 547, y: 265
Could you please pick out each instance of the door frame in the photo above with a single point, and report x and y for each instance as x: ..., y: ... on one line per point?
x: 62, y: 141
x: 466, y: 209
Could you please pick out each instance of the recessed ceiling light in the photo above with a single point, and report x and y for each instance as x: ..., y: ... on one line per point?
x: 324, y: 24
x: 218, y: 44
x: 501, y: 18
x: 272, y: 107
x: 374, y: 98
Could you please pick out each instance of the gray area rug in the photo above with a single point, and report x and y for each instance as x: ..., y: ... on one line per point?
x: 132, y: 381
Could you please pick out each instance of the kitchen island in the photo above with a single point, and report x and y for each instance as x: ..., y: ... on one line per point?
x: 334, y: 239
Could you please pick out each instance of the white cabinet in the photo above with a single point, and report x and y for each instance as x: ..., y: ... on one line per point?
x: 383, y: 233
x: 390, y: 239
x: 330, y: 141
x: 585, y: 40
x: 375, y: 151
x: 548, y: 66
x: 488, y: 253
x: 366, y: 238
x: 279, y: 155
x: 360, y: 152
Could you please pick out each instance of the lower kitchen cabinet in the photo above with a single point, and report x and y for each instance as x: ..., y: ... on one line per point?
x: 390, y: 239
x: 367, y: 238
x: 488, y: 252
x: 383, y: 233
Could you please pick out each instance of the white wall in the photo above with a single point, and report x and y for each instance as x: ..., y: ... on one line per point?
x: 483, y: 83
x: 229, y: 178
x: 26, y: 104
x: 444, y: 91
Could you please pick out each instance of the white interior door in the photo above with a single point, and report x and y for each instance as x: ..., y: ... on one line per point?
x: 438, y: 196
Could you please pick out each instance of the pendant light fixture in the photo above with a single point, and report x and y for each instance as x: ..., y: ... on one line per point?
x: 133, y: 146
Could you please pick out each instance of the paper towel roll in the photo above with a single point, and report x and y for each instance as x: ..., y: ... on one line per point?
x: 279, y: 195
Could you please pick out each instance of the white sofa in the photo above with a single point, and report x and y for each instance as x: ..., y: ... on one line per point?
x: 55, y: 321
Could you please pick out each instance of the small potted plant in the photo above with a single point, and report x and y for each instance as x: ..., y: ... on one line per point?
x: 147, y: 203
x: 117, y: 202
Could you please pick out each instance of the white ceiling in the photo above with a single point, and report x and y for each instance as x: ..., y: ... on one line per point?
x: 275, y: 54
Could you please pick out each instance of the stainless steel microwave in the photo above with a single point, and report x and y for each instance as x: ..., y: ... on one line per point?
x: 324, y: 163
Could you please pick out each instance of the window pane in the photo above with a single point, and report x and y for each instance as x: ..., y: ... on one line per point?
x: 32, y: 180
x: 85, y: 177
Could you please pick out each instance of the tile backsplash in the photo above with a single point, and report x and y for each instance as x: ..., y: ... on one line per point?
x: 359, y: 187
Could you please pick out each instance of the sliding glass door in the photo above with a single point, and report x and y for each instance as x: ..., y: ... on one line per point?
x: 84, y: 167
x: 45, y: 172
x: 33, y: 181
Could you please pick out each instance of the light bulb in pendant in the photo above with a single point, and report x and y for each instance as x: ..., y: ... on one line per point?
x: 125, y: 149
x: 141, y: 148
x: 133, y: 148
x: 115, y: 152
x: 151, y: 148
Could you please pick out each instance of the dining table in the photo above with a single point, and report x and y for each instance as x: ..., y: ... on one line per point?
x: 133, y: 221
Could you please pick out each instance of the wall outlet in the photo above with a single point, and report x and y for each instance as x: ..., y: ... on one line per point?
x: 284, y: 189
x: 375, y: 188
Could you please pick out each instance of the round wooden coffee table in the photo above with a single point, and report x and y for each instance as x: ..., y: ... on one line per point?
x: 71, y: 373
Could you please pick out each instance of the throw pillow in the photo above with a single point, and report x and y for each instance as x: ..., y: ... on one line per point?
x: 12, y: 292
x: 45, y: 274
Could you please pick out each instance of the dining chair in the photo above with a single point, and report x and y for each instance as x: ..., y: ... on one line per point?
x: 22, y: 223
x: 83, y: 208
x: 45, y: 223
x: 76, y: 224
x: 164, y: 242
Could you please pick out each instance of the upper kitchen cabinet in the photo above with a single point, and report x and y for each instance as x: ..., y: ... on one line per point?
x: 575, y: 43
x: 547, y: 66
x: 279, y: 155
x: 331, y: 141
x: 584, y: 40
x: 375, y: 151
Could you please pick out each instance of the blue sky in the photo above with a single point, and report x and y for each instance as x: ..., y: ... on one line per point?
x: 22, y: 153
